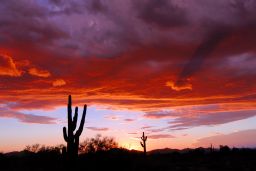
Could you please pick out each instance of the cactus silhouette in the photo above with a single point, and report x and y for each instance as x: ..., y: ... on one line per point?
x: 70, y: 136
x: 143, y: 143
x: 211, y: 148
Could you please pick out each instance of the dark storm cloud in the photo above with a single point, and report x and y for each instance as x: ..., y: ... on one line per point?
x: 97, y: 6
x: 26, y: 23
x: 67, y: 7
x: 161, y: 13
x: 203, y: 51
x: 216, y: 33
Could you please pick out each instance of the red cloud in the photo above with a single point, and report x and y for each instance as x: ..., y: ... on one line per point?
x: 39, y: 73
x: 8, y: 67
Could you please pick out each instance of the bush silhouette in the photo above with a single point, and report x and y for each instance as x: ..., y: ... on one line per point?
x: 32, y: 148
x: 224, y: 149
x: 97, y: 144
x: 40, y: 149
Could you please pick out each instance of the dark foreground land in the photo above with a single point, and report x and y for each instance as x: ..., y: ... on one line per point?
x: 122, y: 160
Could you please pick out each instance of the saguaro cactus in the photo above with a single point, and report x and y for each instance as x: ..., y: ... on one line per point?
x: 211, y: 148
x: 143, y: 143
x: 70, y: 136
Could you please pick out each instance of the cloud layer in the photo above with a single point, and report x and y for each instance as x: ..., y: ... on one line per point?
x: 236, y: 139
x: 151, y: 55
x: 27, y: 118
x: 97, y: 129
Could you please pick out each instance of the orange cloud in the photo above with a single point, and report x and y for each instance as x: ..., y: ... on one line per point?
x: 58, y: 83
x: 8, y: 67
x: 39, y: 73
x: 176, y: 87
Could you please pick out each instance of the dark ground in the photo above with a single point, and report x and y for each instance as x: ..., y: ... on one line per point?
x: 122, y: 160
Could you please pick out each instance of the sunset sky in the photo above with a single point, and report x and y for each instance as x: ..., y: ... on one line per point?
x: 182, y: 71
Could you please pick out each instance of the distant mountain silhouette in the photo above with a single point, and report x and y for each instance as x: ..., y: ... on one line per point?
x: 163, y: 151
x: 16, y: 154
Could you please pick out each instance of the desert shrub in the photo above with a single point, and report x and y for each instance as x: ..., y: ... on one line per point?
x: 98, y: 143
x: 37, y: 148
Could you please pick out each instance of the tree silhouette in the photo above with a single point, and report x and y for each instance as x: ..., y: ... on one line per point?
x: 70, y: 136
x: 33, y: 148
x: 98, y: 143
x: 37, y: 148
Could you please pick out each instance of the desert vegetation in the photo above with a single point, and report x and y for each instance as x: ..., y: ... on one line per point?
x: 105, y: 157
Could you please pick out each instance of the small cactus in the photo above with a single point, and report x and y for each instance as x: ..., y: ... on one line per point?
x: 211, y: 148
x: 70, y: 136
x: 143, y: 143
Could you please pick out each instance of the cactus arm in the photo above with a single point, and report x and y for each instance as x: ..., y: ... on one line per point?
x: 80, y: 129
x: 69, y: 113
x: 74, y: 122
x: 146, y: 138
x: 141, y: 144
x: 65, y: 134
